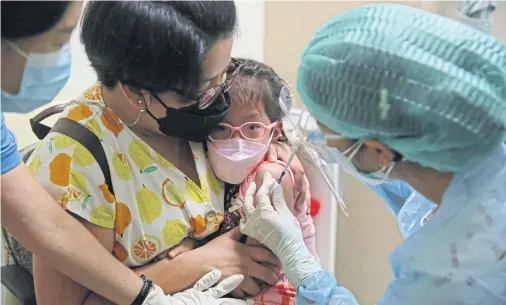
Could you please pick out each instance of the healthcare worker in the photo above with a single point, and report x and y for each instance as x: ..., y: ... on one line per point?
x: 36, y: 58
x: 404, y: 94
x: 410, y: 208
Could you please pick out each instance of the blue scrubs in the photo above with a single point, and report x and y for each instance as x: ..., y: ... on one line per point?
x: 10, y: 156
x: 408, y: 206
x: 458, y: 257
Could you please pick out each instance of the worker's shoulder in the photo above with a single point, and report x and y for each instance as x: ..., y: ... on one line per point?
x: 10, y: 156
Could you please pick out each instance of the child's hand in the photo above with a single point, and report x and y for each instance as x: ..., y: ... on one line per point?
x: 185, y: 245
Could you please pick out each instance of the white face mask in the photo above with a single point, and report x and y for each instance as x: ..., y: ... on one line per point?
x: 345, y: 161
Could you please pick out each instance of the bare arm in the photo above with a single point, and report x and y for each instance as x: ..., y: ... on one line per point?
x: 40, y: 224
x: 275, y: 170
x: 53, y: 287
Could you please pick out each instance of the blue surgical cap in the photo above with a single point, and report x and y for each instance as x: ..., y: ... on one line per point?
x: 426, y: 86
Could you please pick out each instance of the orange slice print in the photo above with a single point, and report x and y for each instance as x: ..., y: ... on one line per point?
x: 79, y: 113
x: 94, y: 93
x: 119, y: 252
x: 73, y: 194
x: 170, y: 190
x: 198, y: 225
x: 123, y: 218
x: 108, y: 196
x: 219, y: 219
x: 59, y: 170
x: 64, y: 201
x: 111, y: 121
x: 145, y: 248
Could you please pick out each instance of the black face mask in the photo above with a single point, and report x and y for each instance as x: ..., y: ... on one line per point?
x: 191, y: 123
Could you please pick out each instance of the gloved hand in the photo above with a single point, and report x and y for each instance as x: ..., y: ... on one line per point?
x: 274, y: 226
x: 201, y: 293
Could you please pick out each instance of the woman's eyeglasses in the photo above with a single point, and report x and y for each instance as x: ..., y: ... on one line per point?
x: 249, y: 131
x: 207, y: 98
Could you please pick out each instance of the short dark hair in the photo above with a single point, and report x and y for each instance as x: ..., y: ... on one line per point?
x: 24, y: 19
x: 154, y: 45
x: 258, y: 83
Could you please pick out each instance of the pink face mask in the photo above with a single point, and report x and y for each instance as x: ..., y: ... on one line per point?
x: 233, y: 159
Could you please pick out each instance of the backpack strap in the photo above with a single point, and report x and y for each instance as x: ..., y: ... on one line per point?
x: 89, y: 140
x: 39, y: 129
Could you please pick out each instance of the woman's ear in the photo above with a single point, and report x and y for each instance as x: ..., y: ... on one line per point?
x: 278, y: 129
x: 136, y: 98
x: 385, y: 155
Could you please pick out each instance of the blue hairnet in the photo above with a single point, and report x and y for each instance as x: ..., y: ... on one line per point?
x: 426, y: 86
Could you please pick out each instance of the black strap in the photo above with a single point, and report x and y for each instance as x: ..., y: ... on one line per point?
x: 89, y: 140
x: 39, y: 129
x: 147, y: 285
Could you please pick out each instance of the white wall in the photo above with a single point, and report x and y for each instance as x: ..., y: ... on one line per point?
x: 249, y: 43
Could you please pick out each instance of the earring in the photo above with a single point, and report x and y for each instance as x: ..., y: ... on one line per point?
x: 139, y: 102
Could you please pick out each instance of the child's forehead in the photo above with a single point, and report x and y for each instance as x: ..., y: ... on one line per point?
x: 240, y: 113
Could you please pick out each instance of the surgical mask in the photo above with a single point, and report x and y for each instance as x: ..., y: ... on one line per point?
x: 233, y: 159
x: 345, y: 161
x: 44, y: 76
x: 192, y: 123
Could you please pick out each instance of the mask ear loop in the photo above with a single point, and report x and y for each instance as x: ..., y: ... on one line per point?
x: 17, y: 49
x: 354, y: 149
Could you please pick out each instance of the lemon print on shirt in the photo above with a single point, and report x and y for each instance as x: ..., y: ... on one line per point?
x: 82, y: 156
x: 35, y: 165
x: 78, y: 190
x: 140, y: 154
x: 60, y: 141
x: 171, y: 194
x: 198, y: 195
x: 95, y: 128
x: 121, y: 166
x: 102, y: 216
x: 213, y: 182
x: 149, y: 205
x: 174, y: 232
x: 163, y: 162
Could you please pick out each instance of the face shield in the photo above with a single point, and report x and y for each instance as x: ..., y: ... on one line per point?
x: 308, y: 143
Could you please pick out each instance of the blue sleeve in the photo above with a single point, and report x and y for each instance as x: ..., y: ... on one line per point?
x: 321, y: 288
x: 10, y: 156
x: 394, y: 193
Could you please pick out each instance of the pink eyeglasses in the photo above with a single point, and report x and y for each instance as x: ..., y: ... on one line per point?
x: 249, y: 131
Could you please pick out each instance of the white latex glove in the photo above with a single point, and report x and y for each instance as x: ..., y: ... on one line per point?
x: 201, y: 293
x: 273, y: 225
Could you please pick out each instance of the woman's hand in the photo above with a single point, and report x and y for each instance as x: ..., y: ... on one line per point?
x: 271, y: 223
x: 227, y: 254
x: 282, y: 151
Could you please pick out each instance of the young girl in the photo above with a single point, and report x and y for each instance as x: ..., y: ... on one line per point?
x: 236, y: 152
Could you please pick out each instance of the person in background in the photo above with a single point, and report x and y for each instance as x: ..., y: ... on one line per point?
x: 403, y: 94
x: 36, y: 59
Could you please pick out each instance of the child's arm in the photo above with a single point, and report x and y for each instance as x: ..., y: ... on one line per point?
x: 275, y: 170
x: 305, y: 220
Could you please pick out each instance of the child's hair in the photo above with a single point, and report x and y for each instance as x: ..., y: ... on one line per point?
x: 258, y: 83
